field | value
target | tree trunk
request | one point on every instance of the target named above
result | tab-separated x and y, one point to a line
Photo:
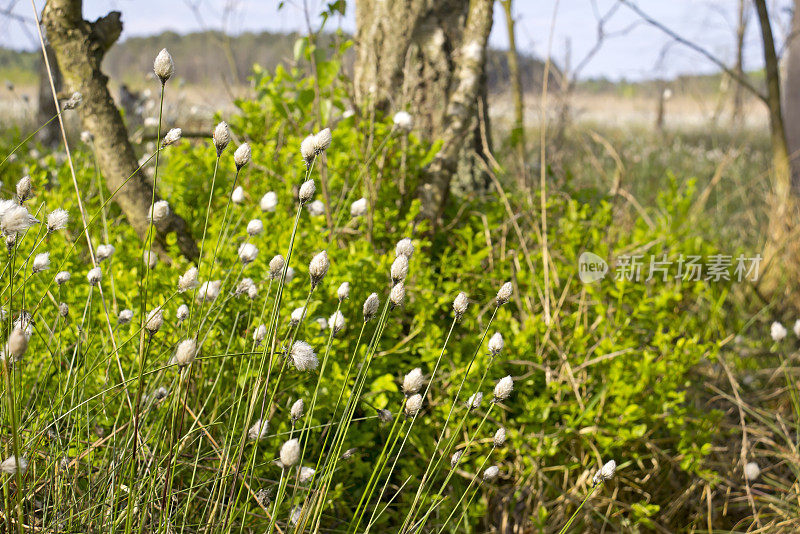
80	47
518	131
781	252
738	90
791	93
428	55
50	135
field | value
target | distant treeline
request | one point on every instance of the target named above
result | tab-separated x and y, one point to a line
213	57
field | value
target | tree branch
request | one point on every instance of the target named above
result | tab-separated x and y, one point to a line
80	47
699	49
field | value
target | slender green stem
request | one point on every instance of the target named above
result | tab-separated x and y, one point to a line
565	528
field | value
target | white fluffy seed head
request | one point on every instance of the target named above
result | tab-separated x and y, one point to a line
150	259
87	137
289	274
307	191
499	437
399	269
290	452
318	268
209	291
777	331
269	201
344	291
371	305
57	219
183	313
172	137
413	381
260	333
297	315
63	309
221	137
404	247
460	304
298	409
242	156
24	321
491	473
24	189
474	400
17	344
496	344
503	388
385	416
94	276
125	316
187	280
41	262
255	227
276	266
305	474
336	322
322	140
163	66
413	405
63	277
316	208
104	252
358	208
16	220
245	287
259	430
9	465
296	515
247	253
397	295
403	120
606	472
154	320
159	211
303	356
307	149
456	458
185	353
797	328
237	197
751	471
504	294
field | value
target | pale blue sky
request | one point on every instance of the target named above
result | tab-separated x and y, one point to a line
632	55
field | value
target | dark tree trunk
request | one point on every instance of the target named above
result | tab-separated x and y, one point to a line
80	47
791	93
429	56
50	135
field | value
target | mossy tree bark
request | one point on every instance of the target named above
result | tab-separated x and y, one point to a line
429	56
79	46
782	250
